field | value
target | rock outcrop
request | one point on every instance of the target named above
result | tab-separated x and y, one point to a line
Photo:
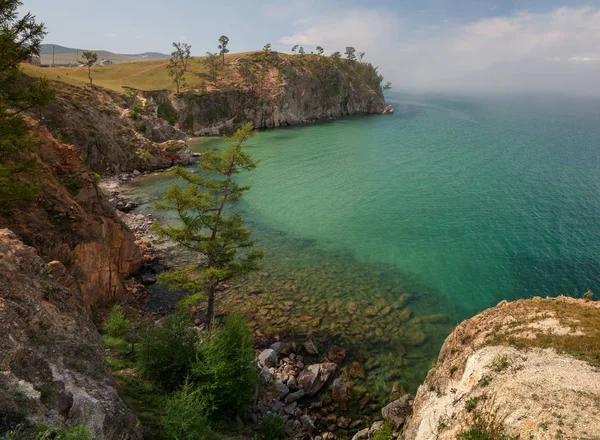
526	369
112	132
293	90
52	368
71	221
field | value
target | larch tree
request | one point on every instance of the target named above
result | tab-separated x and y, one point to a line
223	42
89	59
301	51
320	50
20	39
351	53
295	48
205	225
183	53
361	55
213	65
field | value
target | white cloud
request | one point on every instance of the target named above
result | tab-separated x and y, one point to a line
361	28
110	35
556	50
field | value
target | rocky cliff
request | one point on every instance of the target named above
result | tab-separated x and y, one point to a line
52	368
71	221
111	133
281	91
527	369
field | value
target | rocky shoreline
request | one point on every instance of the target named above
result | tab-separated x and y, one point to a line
297	381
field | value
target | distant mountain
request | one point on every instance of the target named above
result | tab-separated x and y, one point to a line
68	55
47	49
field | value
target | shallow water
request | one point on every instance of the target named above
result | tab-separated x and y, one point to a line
458	202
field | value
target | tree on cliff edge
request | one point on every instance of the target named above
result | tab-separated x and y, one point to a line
221	241
20	39
223	42
89	59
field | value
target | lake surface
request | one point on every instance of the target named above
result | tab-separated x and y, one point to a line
374	224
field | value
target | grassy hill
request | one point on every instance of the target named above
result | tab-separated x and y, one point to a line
142	75
68	55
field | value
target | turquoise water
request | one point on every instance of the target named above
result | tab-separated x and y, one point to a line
461	202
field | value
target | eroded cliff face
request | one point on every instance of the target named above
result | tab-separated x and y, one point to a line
111	133
290	91
52	367
527	369
71	221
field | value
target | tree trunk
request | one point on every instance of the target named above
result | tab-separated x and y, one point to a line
210	309
90	77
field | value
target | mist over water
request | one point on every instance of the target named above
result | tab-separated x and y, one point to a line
460	202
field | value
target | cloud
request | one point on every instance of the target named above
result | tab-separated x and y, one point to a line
361	28
110	35
556	50
183	38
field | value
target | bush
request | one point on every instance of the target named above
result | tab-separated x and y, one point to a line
167	112
168	351
225	371
383	433
185	415
117	325
272	427
79	432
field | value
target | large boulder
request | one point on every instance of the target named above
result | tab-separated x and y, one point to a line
397	411
314	377
267	358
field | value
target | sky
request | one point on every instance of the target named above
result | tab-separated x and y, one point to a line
440	45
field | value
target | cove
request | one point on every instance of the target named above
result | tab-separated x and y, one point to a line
383	232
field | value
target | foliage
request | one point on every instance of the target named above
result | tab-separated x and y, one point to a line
79	432
387	86
588	295
167	112
223	42
117	325
224	372
272	427
185	415
178	64
383	433
166	352
295	48
214	66
89	59
351	53
203	226
20	38
320	50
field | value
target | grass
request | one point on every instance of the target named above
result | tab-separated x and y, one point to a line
579	317
143	75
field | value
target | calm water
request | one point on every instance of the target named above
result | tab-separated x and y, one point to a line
459	202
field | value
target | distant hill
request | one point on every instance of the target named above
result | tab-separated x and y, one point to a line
68	55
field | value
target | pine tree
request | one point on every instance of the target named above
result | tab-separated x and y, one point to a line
222	242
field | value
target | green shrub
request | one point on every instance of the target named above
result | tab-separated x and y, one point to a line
383	433
272	427
185	415
117	325
225	371
79	432
166	354
135	111
167	112
140	128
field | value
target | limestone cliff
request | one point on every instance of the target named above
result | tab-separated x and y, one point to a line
71	221
284	91
52	368
526	369
111	133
